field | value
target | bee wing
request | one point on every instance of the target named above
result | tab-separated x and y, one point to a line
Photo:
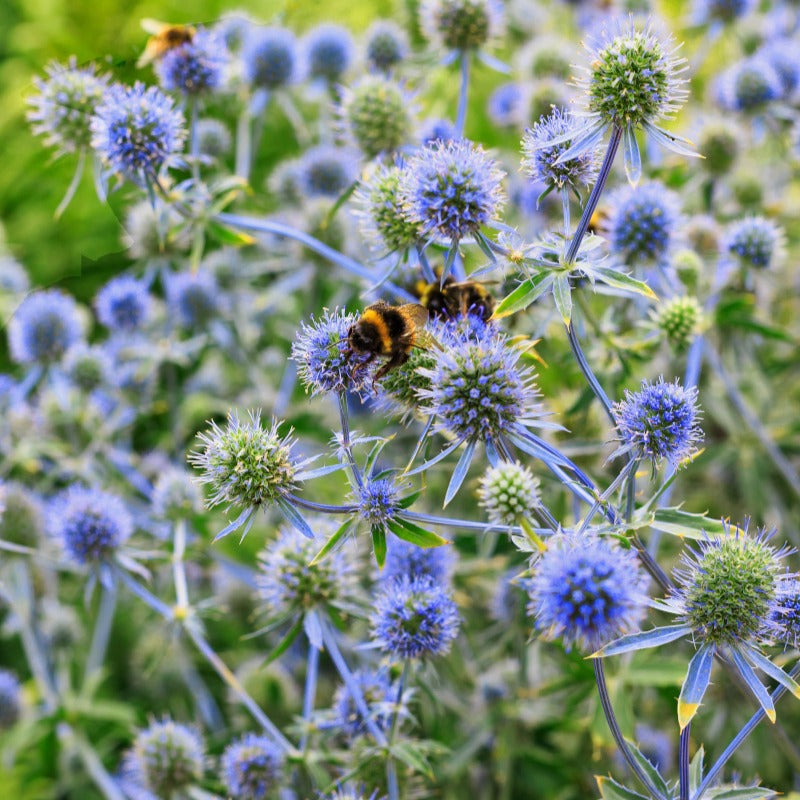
416	313
153	26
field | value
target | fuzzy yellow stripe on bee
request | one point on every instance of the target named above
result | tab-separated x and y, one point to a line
372	317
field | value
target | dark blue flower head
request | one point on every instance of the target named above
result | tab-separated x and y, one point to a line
749	85
90	524
586	591
251	767
326	171
195	67
786	613
270	58
507	105
756	241
542	162
452	189
65	102
321	352
378	693
642	222
414	617
404	558
660	421
378	501
46	324
329	51
193	298
136	130
123	304
386	45
10	699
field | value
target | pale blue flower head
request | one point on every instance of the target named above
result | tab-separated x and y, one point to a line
756	241
386	45
379	695
507	105
405	558
270	58
326	171
46	324
194	67
123	304
749	85
193	298
329	51
251	767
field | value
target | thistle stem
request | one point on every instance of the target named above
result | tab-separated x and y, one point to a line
594	197
312	673
619	739
461	115
344	416
102	630
591	378
683	762
244	143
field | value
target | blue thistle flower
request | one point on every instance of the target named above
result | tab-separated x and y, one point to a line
270	58
461	24
405	558
642	222
660	421
452	189
785	60
46	324
88	367
251	767
175	495
379	695
586	591
65	102
10	699
378	501
326	171
193	298
386	45
90	524
321	353
756	241
234	27
785	616
544	163
506	105
194	67
213	138
167	758
414	617
749	85
136	130
123	304
705	11
329	52
435	131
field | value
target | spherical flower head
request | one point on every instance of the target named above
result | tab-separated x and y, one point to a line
680	320
167	758
380	212
376	689
546	94
508	492
435	131
586	591
749	85
193	298
756	241
195	67
123	304
785	60
414	618
329	52
452	189
719	145
154	233
541	162
377	114
285	182
287	580
10	699
720	10
461	24
251	767
728	586
404	558
245	463
136	130
786	613
22	518
270	58
65	102
642	221
88	367
478	390
634	78
90	524
46	324
547	57
213	138
326	171
378	501
324	361
507	105
660	421
386	45
176	495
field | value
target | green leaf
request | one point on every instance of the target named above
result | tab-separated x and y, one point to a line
620	280
225	235
741	793
409	500
409	754
526	293
696	769
611	790
686	524
332	542
286	642
379	545
409	532
563	296
650	770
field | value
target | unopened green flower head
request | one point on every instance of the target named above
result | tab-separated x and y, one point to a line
680	319
508	492
245	463
688	266
460	24
376	112
634	78
719	145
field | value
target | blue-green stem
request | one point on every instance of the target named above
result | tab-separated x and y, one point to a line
683	762
461	114
312	673
102	630
591	378
619	739
91	760
344	416
194	139
594	197
391	767
244	142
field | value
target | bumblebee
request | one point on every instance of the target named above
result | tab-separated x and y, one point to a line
389	331
164	37
452	299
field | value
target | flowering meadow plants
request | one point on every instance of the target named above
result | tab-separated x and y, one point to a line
435	431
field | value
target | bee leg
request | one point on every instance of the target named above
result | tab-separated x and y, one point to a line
395	361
